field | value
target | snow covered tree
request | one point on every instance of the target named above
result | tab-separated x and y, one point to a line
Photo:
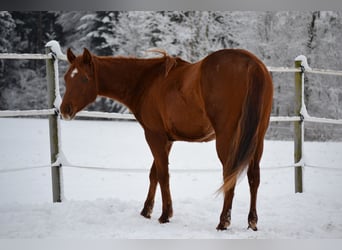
134	31
23	84
276	37
34	29
76	25
102	32
7	26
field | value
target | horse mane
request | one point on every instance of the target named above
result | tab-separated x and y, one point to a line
170	61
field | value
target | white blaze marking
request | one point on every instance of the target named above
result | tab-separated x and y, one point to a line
73	73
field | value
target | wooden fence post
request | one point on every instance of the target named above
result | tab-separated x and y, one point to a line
298	129
53	130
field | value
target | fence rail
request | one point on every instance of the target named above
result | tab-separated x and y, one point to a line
53	54
25	56
16	113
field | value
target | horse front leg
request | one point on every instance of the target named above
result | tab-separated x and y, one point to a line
166	197
160	148
149	203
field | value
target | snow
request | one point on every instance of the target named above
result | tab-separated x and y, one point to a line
105	203
56	49
304	62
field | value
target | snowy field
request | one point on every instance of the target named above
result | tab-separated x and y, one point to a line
105	204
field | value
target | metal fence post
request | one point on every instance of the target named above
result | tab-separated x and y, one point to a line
298	129
53	130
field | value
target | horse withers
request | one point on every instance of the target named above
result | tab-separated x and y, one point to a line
226	96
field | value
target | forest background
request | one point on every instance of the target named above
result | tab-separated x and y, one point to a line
276	37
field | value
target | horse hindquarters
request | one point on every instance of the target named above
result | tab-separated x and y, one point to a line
239	112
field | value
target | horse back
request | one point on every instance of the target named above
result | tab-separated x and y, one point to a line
225	77
193	99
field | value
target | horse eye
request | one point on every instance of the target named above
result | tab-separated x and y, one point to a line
84	79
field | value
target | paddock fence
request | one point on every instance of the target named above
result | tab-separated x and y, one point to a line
54	54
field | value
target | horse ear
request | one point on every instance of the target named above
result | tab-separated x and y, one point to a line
70	55
86	56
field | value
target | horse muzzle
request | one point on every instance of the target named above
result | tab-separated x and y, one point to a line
67	112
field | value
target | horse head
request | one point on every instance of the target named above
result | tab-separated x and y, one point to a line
80	84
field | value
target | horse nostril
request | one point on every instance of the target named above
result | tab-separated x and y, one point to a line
67	111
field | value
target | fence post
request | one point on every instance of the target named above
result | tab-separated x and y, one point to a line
53	130
298	129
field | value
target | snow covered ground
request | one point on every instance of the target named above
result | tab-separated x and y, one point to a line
106	204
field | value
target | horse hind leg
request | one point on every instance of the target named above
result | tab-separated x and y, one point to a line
225	216
222	146
253	175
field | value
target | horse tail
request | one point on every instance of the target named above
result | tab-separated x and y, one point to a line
253	116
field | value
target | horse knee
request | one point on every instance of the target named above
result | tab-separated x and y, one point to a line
163	177
153	177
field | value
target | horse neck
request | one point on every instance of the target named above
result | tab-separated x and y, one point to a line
122	78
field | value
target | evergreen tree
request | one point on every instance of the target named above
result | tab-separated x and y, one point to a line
24	84
75	27
133	33
7	26
103	32
7	68
35	29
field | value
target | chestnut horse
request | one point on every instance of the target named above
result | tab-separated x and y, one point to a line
227	96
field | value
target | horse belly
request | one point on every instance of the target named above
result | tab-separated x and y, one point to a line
187	121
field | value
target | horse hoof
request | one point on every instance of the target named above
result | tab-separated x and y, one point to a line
165	216
222	226
146	214
163	220
253	226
